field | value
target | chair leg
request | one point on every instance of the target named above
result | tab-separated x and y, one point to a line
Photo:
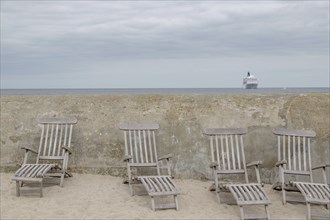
242	212
129	176
62	178
309	211
152	203
267	212
176	202
41	193
18	193
131	188
282	186
218	196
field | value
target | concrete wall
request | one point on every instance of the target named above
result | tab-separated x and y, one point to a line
98	144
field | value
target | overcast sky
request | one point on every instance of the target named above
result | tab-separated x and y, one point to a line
163	44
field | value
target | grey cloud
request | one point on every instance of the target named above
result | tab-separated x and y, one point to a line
40	38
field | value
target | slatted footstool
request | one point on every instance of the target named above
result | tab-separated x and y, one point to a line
33	173
160	186
315	193
250	194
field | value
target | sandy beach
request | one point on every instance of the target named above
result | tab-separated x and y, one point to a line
86	196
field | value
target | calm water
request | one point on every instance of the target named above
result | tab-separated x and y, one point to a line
162	91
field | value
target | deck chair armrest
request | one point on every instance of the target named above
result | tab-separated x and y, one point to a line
324	174
168	163
27	153
168	156
127	158
67	149
321	166
254	163
280	163
27	149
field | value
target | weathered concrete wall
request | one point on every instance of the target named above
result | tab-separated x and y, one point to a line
98	144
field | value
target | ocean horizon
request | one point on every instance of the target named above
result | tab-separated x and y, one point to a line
114	91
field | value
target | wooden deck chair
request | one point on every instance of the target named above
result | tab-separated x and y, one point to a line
141	152
52	155
294	159
227	156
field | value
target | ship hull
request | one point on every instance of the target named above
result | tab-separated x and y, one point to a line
251	86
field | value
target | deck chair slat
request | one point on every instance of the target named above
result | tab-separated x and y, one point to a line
155	150
65	138
258	196
316	189
25	170
289	152
250	194
159	184
55	141
309	157
136	147
147	184
166	187
237	194
140	146
304	153
31	171
223	155
284	151
50	139
145	146
125	142
41	141
227	152
244	193
294	152
59	141
150	147
131	146
321	192
216	150
299	154
154	185
232	151
46	139
212	150
170	183
37	170
243	159
237	152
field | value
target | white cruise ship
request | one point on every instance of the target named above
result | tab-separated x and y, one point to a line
250	82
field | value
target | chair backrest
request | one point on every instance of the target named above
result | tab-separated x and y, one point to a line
55	133
227	149
294	146
140	143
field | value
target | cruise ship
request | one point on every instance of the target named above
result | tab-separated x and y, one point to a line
250	82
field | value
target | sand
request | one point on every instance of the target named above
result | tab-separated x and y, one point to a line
86	196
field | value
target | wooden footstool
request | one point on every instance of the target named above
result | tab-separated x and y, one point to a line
33	173
315	193
250	194
160	186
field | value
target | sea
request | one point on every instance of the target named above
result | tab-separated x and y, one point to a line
116	91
